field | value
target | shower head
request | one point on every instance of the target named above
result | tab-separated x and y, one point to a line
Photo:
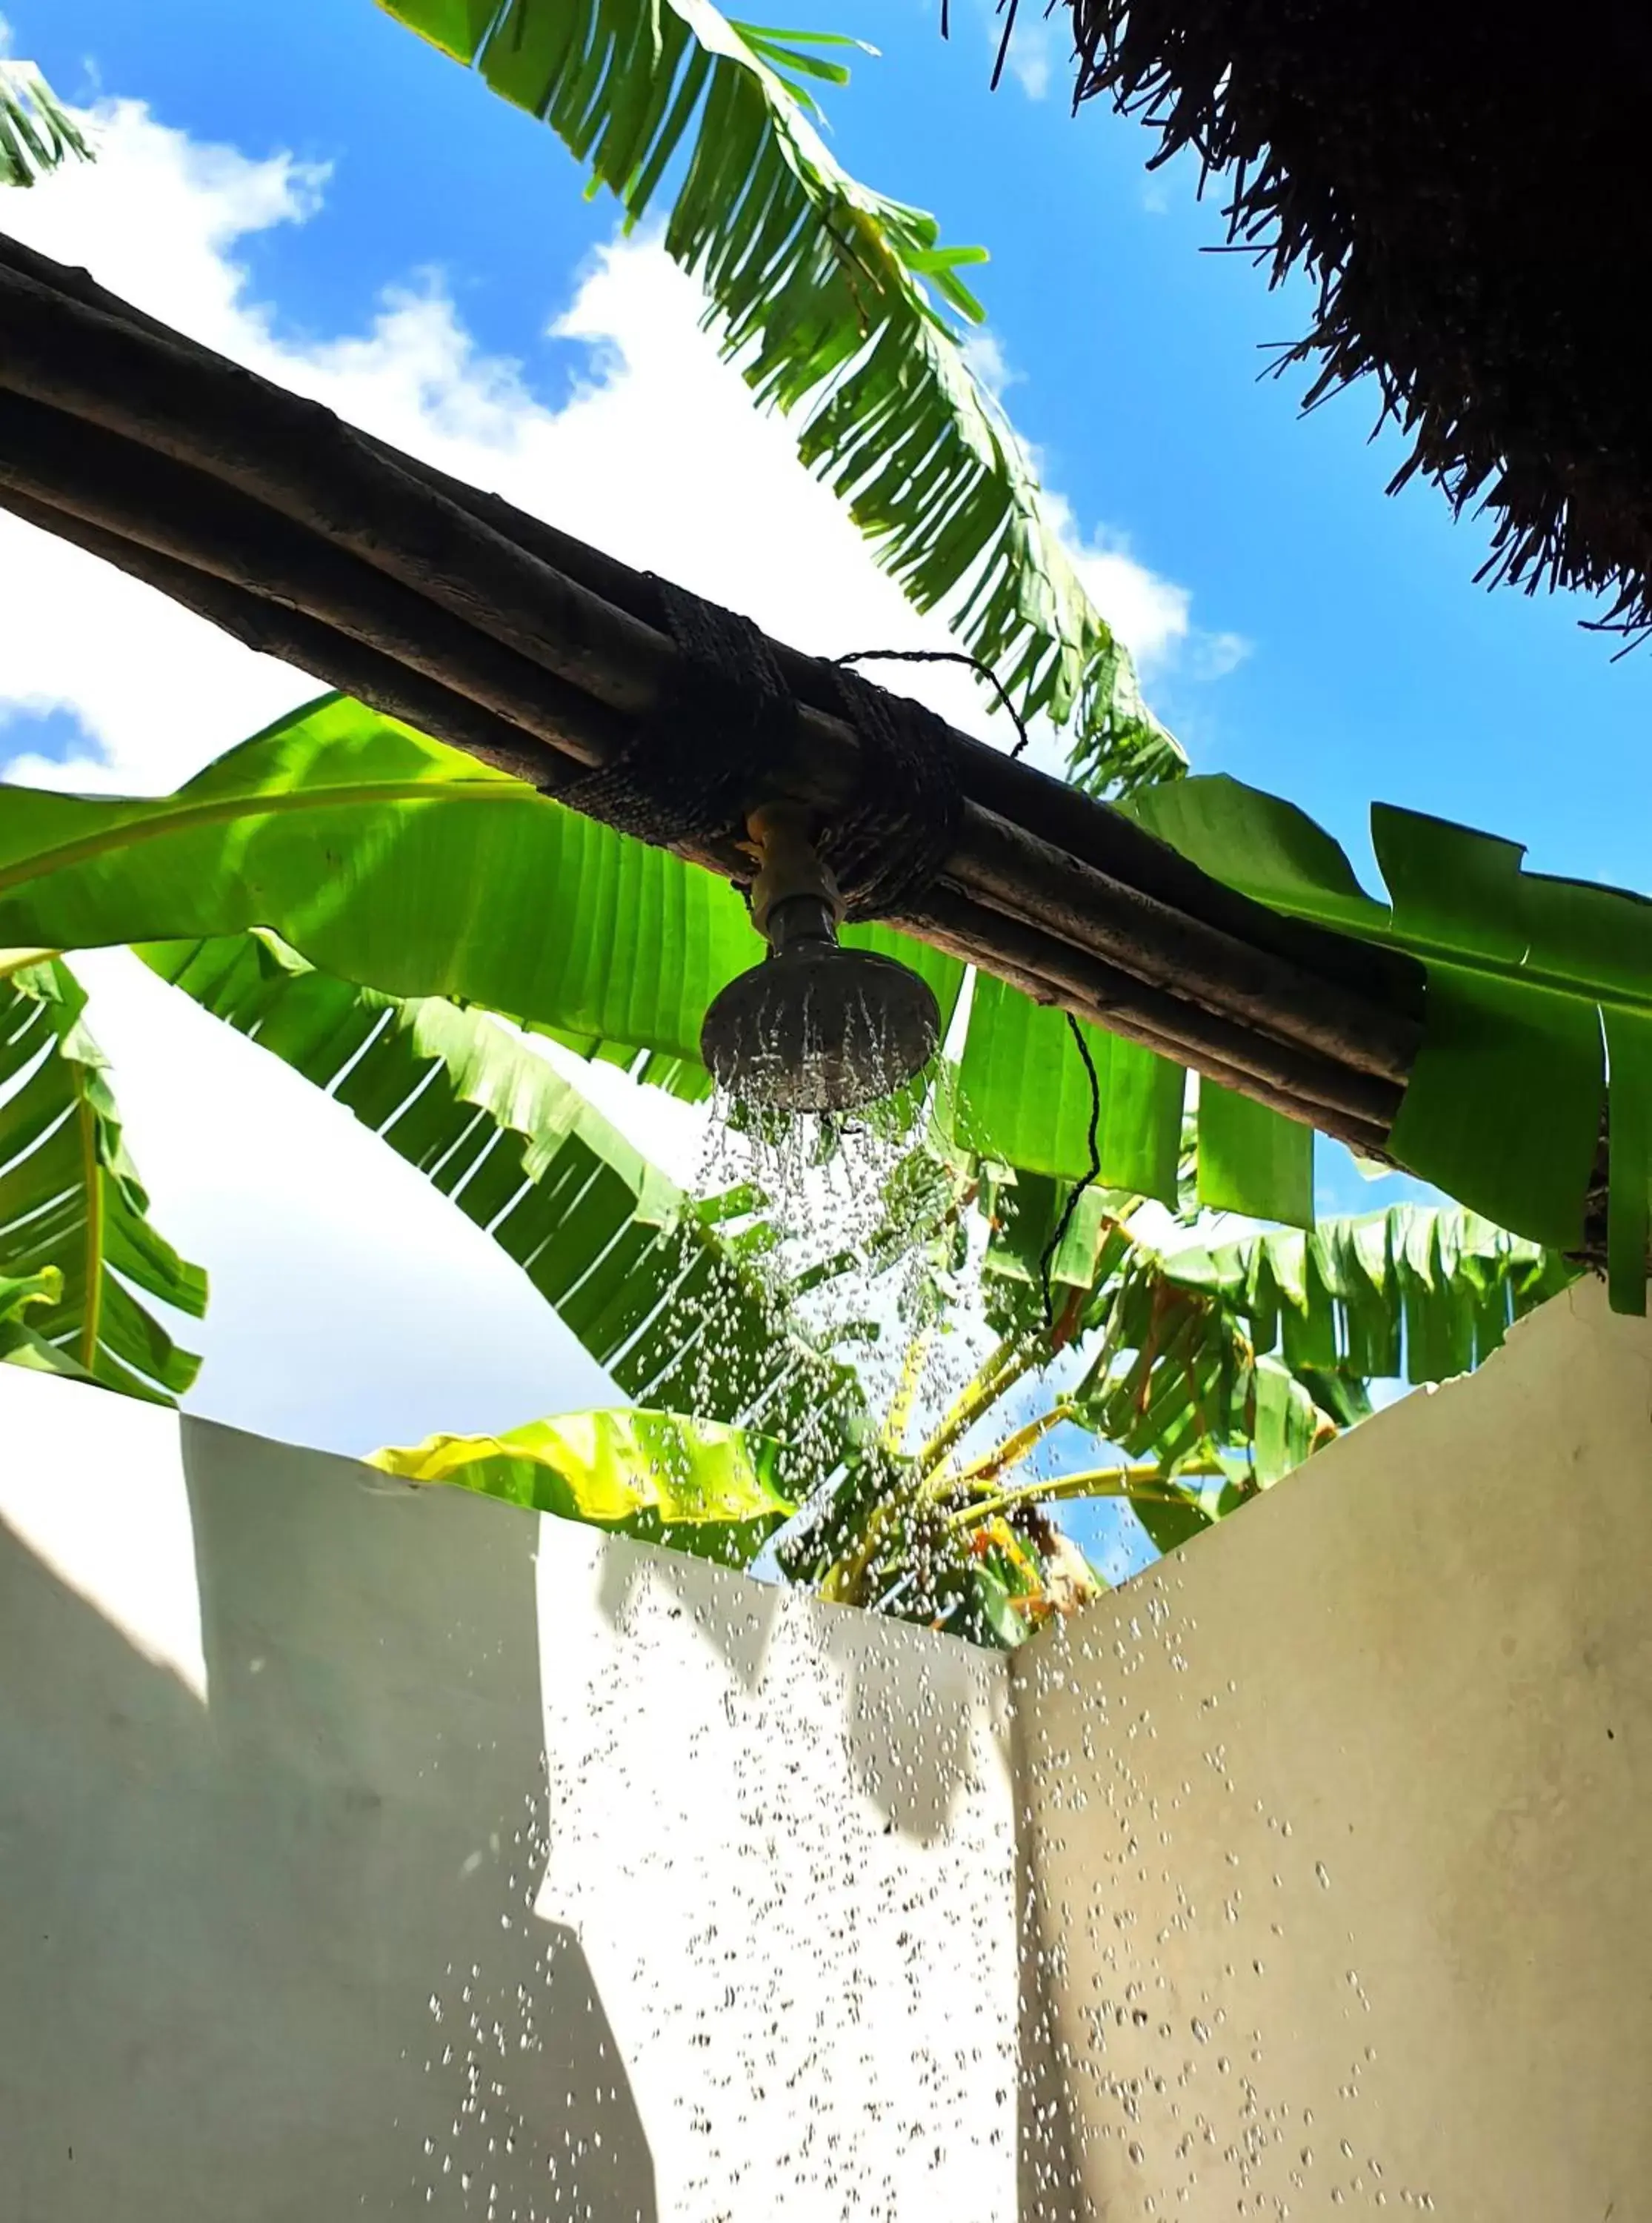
815	1027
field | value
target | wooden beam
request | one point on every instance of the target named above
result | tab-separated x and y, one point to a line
496	632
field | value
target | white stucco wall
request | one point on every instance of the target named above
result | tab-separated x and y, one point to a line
1342	1823
368	1850
373	1850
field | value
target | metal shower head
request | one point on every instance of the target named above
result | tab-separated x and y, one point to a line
815	1027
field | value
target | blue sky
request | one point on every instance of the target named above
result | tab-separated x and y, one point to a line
1377	668
1332	645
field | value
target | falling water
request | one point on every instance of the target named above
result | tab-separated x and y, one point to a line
1143	2080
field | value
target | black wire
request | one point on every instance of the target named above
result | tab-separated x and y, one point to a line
944	656
1079	1188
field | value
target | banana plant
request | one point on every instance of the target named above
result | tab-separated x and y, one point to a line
687	1304
661	1291
37	133
391	860
1200	1373
1203	1374
630	944
679	1299
367	846
843	308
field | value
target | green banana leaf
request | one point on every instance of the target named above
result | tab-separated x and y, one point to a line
1172	1376
1042	1127
73	1215
1255	1350
1292	1413
1533	983
692	1484
1284	1425
391	860
825	294
1418	1289
1251	1159
1176	1382
1189	1511
663	1293
37	133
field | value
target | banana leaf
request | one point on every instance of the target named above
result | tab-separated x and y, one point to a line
393	862
839	306
22	1345
19	1291
663	1293
692	1484
37	133
74	1218
1535	985
399	863
1044	1128
1417	1290
1259	1348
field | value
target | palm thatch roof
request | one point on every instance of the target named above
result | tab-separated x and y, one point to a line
1466	189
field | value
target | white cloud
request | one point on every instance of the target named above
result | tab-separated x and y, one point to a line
1150	612
1034	51
1030	62
655	455
985	353
1153	614
1215	654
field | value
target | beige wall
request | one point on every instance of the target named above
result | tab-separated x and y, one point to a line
1343	1821
710	1888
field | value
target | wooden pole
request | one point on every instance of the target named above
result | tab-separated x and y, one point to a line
1087	829
496	632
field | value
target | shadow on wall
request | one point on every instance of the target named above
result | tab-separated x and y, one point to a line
907	1706
346	1840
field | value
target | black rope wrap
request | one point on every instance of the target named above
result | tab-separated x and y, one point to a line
886	847
690	771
